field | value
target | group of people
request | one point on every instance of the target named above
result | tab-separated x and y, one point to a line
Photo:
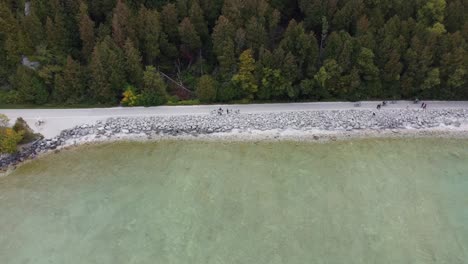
221	111
384	103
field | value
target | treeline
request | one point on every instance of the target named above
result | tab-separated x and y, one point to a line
150	51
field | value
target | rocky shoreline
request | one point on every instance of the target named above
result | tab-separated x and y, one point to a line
315	123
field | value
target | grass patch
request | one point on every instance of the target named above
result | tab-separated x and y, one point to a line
52	106
184	102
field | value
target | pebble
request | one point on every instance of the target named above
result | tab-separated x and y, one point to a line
328	120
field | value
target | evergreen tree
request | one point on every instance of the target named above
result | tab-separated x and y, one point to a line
256	34
302	46
154	88
30	87
223	45
197	18
133	64
107	72
340	48
190	39
183	7
212	10
457	15
69	86
56	35
169	21
433	11
206	89
227	58
86	28
369	72
33	30
327	77
148	29
121	24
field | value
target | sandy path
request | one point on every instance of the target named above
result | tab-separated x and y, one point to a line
57	120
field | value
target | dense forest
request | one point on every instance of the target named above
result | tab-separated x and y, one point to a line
150	52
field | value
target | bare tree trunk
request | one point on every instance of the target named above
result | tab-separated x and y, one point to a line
175	82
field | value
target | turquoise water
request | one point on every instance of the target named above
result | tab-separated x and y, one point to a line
367	201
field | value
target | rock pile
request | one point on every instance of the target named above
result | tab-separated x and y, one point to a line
327	120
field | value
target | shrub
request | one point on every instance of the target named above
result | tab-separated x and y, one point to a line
21	127
4	121
185	102
129	97
151	99
9	140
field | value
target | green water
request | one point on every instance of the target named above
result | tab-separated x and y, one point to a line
370	201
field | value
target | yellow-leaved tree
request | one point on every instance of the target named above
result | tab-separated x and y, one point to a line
9	138
245	77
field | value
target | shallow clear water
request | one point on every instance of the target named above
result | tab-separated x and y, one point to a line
367	201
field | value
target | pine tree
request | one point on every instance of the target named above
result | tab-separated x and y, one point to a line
33	30
121	24
327	77
256	34
418	59
227	59
10	48
148	29
154	88
432	79
224	47
197	18
29	86
169	21
86	28
302	46
454	68
239	12
212	10
315	10
133	64
365	63
206	89
274	19
433	11
340	48
456	19
369	72
56	34
107	72
190	39
69	86
183	7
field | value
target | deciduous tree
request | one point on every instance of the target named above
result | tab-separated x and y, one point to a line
245	77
